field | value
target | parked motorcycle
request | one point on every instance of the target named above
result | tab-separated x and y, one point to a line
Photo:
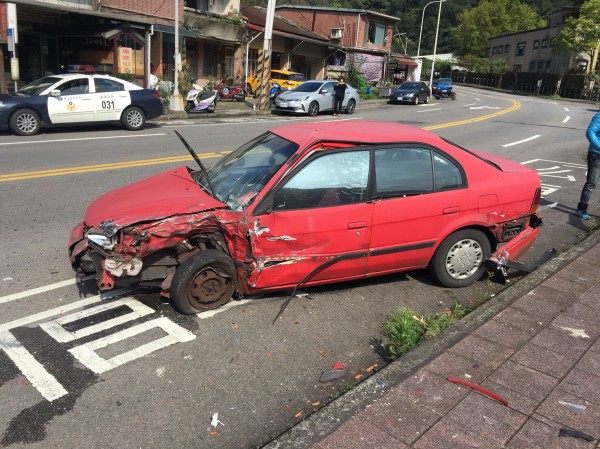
198	99
274	92
233	92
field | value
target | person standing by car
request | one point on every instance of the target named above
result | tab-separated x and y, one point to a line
593	166
340	93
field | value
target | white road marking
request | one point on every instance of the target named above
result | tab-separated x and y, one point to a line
137	136
87	355
567	118
62	309
33	370
565	164
471	104
429	110
44	289
56	330
485	107
211	313
522	141
567	109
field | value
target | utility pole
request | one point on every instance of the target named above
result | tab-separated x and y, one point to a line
176	102
264	69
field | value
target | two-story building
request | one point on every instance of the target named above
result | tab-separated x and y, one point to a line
357	36
534	51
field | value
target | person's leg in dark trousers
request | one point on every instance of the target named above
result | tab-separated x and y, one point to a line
337	105
593	173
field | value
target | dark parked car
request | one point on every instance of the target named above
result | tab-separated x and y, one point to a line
410	92
70	99
309	204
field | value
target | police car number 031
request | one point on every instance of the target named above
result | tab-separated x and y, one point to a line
108	104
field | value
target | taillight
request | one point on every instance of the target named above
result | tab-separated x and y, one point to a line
157	94
536	201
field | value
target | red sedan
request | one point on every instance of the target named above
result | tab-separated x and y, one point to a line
308	204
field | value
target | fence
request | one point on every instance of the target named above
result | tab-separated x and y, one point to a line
570	86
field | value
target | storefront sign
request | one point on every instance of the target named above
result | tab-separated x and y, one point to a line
3	21
125	63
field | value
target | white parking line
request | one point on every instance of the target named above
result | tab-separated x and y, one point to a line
62	309
566	119
44	289
522	141
429	110
137	136
33	370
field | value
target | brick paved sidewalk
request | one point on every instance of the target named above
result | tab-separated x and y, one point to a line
535	350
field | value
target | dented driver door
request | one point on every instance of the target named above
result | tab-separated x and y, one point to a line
319	222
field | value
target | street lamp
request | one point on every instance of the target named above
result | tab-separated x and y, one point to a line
422	17
405	44
437	29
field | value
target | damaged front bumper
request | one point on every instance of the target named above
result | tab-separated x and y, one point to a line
505	257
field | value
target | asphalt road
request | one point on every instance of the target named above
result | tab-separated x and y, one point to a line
157	378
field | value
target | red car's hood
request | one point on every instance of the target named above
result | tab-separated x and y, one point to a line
166	194
506	165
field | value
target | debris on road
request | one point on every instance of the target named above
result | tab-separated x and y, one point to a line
575	434
215	421
480	389
573	407
337	371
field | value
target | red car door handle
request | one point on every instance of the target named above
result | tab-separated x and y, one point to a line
451	210
357	225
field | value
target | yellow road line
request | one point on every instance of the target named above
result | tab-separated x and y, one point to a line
102	167
168	160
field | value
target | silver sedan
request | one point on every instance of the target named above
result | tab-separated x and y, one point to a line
314	96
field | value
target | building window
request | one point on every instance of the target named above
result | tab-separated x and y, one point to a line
494	50
544	43
500	49
532	66
552	41
520	49
506	48
376	33
210	60
199	5
548	64
536	43
540	66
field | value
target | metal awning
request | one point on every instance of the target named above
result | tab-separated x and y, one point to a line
405	61
171	30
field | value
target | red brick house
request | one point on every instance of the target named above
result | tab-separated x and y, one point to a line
356	36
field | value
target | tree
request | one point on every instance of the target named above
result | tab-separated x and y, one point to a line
491	18
582	35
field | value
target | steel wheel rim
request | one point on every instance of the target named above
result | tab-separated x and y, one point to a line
312	109
464	259
134	118
350	108
209	289
26	123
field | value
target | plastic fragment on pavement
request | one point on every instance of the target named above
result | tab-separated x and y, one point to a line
575	434
298	415
316	404
573	407
480	389
215	420
337	371
371	368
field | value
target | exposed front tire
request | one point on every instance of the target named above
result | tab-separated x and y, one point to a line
204	281
460	259
211	107
453	96
25	122
350	107
241	96
416	101
133	119
313	109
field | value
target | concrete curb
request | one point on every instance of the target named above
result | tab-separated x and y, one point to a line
327	419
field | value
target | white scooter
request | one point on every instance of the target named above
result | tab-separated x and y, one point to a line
199	100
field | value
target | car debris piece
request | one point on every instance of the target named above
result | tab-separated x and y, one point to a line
480	389
573	407
337	371
215	421
575	434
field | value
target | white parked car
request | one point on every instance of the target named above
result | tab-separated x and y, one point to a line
314	96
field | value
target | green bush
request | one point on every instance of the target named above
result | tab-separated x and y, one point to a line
405	329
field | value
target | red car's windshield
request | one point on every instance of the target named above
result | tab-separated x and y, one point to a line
241	175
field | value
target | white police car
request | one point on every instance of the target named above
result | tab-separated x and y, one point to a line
69	99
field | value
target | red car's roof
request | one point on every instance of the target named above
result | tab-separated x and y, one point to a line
356	131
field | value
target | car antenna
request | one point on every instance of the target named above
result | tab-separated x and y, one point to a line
197	159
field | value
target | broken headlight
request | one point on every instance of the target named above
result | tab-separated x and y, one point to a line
100	239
